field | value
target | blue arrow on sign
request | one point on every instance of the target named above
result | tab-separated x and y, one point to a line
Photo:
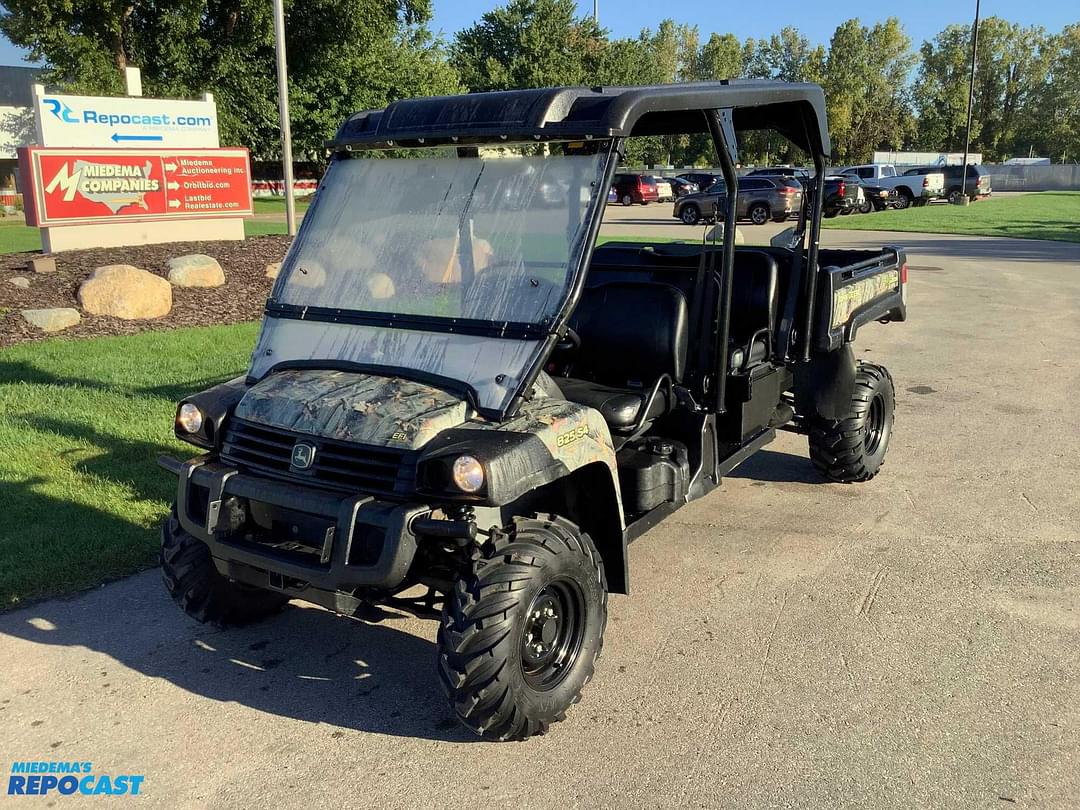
117	137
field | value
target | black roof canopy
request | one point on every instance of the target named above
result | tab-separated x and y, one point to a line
795	110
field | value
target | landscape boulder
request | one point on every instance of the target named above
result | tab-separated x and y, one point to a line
195	270
52	320
22	282
42	264
123	291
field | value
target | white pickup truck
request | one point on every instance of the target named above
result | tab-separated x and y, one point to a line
910	189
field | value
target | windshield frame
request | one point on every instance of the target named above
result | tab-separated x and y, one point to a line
546	334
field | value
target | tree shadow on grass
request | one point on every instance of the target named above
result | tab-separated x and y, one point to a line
304	663
14	372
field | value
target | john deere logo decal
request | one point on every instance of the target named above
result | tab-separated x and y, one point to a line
303	455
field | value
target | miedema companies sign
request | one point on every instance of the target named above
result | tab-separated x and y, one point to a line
99	186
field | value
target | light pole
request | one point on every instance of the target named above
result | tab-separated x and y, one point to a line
283	110
596	11
971	103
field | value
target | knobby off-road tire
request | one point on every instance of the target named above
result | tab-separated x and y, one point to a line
499	682
853	448
201	592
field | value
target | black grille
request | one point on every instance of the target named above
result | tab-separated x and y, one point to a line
338	465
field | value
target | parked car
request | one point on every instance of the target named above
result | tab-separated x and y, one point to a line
874	197
760	199
635	188
978	180
664	192
915	187
683	187
841	196
702	179
797	172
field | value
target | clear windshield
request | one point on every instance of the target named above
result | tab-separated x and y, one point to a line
485	239
488	239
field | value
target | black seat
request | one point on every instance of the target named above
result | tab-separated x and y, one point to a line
633	342
754	302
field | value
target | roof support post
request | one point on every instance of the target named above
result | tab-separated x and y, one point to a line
812	253
722	129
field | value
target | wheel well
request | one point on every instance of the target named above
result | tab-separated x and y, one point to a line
587	498
907	192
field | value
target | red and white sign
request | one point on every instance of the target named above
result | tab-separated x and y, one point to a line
97	186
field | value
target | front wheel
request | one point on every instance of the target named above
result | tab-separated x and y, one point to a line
690	214
520	635
853	448
197	587
627	199
758	213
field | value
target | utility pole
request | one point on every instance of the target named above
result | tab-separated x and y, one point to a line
971	103
283	110
596	11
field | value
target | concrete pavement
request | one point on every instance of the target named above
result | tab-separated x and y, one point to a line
909	642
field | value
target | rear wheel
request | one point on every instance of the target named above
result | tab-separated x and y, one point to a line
956	196
690	214
903	199
520	635
853	448
627	199
866	206
758	213
200	591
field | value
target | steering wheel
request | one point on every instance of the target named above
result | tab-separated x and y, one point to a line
570	341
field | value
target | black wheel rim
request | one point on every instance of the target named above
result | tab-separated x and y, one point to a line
875	426
553	632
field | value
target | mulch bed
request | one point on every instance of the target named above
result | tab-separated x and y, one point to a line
241	299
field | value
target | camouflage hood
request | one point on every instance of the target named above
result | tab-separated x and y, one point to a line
364	408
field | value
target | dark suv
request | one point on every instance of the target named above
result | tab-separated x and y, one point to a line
635	188
702	179
978	180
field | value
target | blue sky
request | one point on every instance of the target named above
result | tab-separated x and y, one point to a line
922	18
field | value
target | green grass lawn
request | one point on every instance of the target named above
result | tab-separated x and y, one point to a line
81	425
1044	215
16	236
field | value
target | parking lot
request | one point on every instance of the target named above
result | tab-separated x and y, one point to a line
909	642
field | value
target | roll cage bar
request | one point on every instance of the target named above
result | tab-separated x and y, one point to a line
611	114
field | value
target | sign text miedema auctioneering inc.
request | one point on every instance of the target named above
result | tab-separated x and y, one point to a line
65	187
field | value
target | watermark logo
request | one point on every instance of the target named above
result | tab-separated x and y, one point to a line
45	777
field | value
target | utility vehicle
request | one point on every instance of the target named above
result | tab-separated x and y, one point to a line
460	406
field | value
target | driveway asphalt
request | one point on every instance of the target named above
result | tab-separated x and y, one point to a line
909	642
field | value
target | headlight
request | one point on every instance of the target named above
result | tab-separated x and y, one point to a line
468	474
189	418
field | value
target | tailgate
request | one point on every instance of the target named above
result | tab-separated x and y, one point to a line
853	295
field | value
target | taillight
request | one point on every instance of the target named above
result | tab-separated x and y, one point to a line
840	189
640	184
787	191
903	273
926	182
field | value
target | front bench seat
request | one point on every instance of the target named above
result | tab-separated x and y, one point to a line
632	335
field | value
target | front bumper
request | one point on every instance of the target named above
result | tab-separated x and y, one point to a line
279	535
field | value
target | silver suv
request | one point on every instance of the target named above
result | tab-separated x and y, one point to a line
760	199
